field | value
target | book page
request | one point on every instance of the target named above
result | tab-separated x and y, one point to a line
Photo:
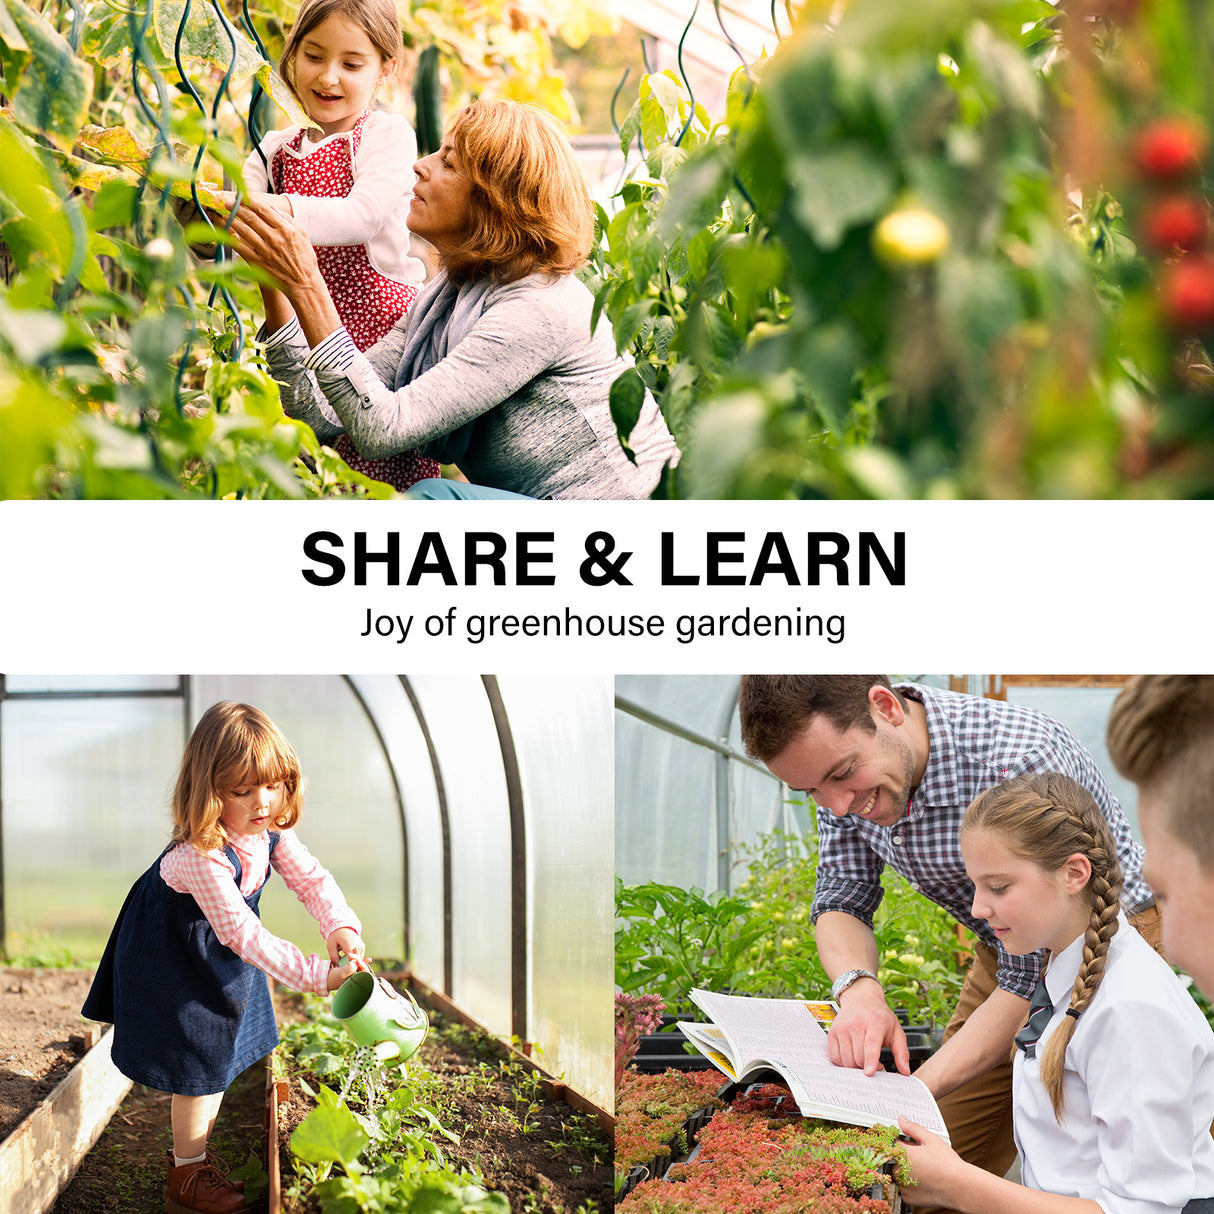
710	1041
784	1034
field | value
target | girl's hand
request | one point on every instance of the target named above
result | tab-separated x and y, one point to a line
346	940
279	202
339	973
937	1169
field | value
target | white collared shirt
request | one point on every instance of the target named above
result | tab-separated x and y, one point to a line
1139	1086
375	211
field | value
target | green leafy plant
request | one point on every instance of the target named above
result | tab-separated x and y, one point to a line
760	939
669	940
381	1137
127	367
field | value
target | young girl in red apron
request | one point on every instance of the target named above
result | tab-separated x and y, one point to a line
350	189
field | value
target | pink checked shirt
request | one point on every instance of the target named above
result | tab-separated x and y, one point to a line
208	876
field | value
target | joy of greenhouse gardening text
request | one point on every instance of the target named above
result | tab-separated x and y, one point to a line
477	627
530	558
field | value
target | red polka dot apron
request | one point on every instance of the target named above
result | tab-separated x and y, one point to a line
368	303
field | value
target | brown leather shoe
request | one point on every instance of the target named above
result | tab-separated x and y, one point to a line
201	1188
216	1161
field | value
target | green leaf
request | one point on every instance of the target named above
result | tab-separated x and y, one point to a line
630	128
828	358
631	322
52	93
626	398
25	186
724	435
330	1133
835	189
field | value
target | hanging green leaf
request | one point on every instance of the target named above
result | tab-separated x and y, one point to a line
52	87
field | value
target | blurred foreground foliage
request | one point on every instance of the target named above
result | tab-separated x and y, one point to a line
907	261
952	249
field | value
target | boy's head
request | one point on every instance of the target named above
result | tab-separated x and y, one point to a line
1161	736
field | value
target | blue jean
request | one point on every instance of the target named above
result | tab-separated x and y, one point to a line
434	489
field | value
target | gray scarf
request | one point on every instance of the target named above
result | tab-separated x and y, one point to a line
441	317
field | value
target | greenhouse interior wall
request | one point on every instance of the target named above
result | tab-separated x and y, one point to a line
689	800
467	820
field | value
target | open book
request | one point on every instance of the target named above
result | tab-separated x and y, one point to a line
748	1036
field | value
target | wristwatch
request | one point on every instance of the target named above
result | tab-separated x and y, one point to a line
844	980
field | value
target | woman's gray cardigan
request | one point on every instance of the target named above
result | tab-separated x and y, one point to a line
529	375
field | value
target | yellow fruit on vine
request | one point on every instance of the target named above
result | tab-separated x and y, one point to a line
910	237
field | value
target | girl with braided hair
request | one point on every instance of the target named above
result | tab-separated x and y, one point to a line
1113	1080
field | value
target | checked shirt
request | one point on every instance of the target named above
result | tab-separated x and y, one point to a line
973	744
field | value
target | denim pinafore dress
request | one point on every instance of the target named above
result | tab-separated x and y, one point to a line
188	1014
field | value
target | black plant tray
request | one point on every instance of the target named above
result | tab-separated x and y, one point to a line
660	1052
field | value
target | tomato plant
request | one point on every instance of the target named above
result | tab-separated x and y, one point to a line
900	263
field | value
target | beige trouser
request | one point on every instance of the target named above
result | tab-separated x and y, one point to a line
979	1113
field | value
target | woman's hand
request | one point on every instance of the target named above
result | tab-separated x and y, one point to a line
937	1169
273	242
267	238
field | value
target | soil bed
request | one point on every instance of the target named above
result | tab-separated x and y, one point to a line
525	1149
40	1011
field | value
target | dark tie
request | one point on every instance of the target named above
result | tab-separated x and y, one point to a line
1040	1011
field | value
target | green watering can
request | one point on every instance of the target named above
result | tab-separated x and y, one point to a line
374	1013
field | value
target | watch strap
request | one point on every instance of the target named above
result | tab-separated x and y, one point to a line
844	980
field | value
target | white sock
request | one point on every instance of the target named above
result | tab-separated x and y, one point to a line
178	1162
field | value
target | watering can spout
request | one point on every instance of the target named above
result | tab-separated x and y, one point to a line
374	1013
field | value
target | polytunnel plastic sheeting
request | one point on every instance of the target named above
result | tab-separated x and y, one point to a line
706	704
351	822
460	722
1085	712
89	683
665	820
85	791
562	735
388	702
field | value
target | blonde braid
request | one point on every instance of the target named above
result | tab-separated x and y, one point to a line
1105	886
1046	818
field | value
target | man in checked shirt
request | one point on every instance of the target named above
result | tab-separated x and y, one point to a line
891	770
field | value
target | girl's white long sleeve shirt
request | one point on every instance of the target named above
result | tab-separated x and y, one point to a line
1139	1085
375	211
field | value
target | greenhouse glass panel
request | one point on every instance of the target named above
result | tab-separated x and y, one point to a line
457	712
388	703
562	735
351	820
85	792
1085	712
